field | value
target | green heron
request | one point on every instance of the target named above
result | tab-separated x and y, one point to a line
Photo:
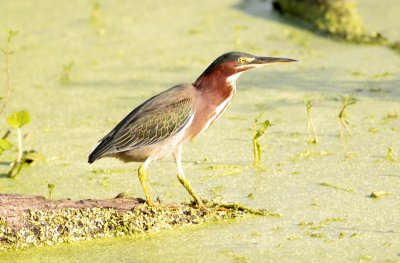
159	126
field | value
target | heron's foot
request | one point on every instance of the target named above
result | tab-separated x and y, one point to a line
189	188
200	204
149	202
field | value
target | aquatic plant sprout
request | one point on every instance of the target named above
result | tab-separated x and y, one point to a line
347	101
17	120
312	137
66	74
258	128
51	189
7	52
390	155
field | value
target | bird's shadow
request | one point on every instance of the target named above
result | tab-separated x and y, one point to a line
5	175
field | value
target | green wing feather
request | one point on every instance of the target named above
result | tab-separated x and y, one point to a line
154	125
158	118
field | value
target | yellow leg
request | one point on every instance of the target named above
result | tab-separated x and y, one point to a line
182	179
143	181
189	188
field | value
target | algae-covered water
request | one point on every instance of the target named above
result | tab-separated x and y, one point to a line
130	50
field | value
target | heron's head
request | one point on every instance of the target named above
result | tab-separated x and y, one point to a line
236	62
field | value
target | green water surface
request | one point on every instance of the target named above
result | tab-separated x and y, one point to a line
135	49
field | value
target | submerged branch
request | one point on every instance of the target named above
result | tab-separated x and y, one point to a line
338	18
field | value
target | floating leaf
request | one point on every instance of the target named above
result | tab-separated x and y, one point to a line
18	119
5	145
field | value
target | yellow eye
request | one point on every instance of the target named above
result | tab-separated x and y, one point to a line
242	61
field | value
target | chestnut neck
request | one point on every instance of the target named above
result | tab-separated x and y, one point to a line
215	81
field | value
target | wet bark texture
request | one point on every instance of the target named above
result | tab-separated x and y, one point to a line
12	206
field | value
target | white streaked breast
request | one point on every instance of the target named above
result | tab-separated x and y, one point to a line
219	110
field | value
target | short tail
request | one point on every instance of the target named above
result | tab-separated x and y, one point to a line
100	149
92	157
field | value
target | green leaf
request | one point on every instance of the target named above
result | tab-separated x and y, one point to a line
5	145
18	119
308	104
261	128
11	34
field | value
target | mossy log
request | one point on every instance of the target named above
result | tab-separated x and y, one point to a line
338	18
34	220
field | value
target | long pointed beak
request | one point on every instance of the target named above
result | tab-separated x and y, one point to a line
270	60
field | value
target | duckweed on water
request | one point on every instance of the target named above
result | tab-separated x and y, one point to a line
324	184
379	194
110	171
323	223
390	155
229	170
234	256
104	182
391	116
317	235
222	167
251	196
310	154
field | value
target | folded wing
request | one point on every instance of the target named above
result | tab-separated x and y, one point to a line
155	120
